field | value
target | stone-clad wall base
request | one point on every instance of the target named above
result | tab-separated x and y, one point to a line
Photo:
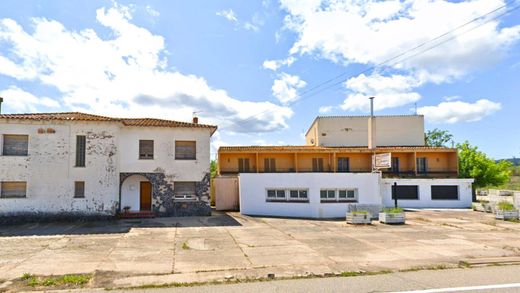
186	209
21	218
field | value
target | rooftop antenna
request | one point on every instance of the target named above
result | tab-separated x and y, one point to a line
1	101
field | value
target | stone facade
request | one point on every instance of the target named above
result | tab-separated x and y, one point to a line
163	203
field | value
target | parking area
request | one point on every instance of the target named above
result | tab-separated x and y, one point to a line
232	242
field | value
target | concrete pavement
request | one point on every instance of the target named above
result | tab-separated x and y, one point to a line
178	250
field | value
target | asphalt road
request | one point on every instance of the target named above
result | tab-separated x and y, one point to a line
483	279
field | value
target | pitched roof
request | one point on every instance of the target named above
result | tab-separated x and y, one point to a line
77	116
309	148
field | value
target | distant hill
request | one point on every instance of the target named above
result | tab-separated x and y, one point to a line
515	161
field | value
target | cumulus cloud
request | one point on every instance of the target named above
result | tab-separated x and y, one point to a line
458	111
325	109
286	87
390	91
275	64
22	101
228	14
123	75
369	32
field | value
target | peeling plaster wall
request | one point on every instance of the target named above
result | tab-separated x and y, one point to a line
50	172
111	151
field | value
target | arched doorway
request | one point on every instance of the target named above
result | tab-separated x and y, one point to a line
136	193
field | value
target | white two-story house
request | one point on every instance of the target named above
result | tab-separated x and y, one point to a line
87	165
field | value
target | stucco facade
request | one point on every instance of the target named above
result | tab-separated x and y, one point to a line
112	165
348	131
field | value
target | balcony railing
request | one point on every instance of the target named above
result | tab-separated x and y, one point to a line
430	172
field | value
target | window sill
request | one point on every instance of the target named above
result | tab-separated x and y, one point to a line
12	197
182	159
338	201
78	198
145	159
14	156
288	201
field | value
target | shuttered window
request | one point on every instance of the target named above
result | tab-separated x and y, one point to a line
15	145
146	149
13	189
185	150
269	165
81	147
243	165
184	191
405	192
343	165
79	189
317	164
445	192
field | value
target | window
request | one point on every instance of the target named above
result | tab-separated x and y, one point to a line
317	164
269	165
13	189
287	195
445	192
185	150
395	165
405	191
243	165
79	189
146	149
422	165
184	191
81	144
298	194
15	145
343	165
346	195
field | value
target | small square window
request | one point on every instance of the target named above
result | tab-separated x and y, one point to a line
79	189
280	194
331	194
342	194
323	194
294	193
271	193
351	193
303	194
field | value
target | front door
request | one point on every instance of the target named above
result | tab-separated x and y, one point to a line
145	195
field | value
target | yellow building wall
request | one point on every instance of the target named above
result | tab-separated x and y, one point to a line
229	162
436	161
357	161
284	161
305	161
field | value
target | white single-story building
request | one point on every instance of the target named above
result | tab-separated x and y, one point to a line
331	195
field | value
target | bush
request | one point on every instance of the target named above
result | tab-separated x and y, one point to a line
393	210
505	206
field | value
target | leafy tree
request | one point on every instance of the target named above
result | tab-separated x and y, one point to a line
438	138
213	168
475	164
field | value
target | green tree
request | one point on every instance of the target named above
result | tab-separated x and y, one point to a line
438	138
213	168
475	164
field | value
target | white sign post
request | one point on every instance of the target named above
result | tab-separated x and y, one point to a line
381	161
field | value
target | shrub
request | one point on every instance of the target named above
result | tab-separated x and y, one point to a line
393	210
505	206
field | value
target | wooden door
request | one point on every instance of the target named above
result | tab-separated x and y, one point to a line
145	194
226	193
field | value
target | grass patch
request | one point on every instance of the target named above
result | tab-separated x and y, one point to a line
393	210
66	280
505	206
185	246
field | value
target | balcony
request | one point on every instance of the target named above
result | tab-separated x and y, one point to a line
429	173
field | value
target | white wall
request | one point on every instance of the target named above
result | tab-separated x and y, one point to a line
353	131
130	192
425	201
50	172
164	152
253	193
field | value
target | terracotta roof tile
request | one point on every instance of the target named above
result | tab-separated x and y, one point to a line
307	148
77	116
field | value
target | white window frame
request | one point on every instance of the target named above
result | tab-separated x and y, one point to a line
336	195
287	193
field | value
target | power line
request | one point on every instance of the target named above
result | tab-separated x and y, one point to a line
309	93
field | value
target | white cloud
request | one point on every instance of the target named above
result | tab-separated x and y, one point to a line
458	111
124	75
152	11
228	14
325	109
21	101
275	64
285	88
369	32
389	91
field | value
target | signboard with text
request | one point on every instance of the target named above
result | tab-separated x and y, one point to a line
382	161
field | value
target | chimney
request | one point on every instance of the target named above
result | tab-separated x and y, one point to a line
1	101
195	120
371	126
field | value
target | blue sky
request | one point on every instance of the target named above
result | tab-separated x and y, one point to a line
250	66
